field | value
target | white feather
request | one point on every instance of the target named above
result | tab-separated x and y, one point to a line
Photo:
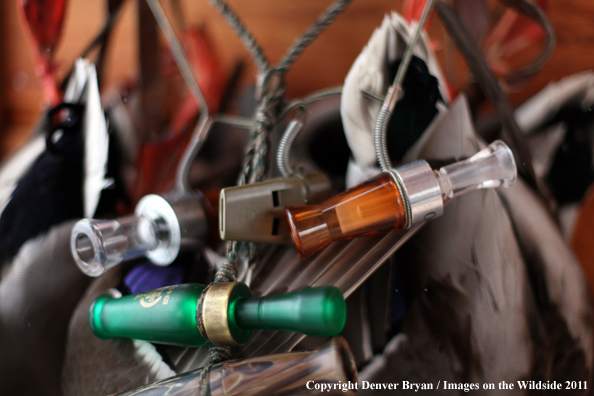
544	105
146	354
96	141
369	73
17	166
357	174
76	83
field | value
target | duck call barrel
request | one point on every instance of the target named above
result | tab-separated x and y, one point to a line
317	311
285	374
373	206
397	199
227	314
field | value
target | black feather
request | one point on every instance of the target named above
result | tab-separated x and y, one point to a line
447	311
51	192
415	110
574	155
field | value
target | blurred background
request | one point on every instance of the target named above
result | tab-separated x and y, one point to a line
275	25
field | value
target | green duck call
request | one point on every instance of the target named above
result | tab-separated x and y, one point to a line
193	315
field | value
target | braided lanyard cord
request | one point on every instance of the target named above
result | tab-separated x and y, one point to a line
271	90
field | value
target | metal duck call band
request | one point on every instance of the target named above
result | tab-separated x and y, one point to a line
419	190
227	313
272	375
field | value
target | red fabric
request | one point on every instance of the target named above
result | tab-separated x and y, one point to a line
43	20
512	34
158	162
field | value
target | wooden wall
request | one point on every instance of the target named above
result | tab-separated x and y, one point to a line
274	23
2	64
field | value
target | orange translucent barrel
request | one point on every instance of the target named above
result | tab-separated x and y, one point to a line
371	207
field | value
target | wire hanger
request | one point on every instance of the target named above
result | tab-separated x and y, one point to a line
395	93
205	120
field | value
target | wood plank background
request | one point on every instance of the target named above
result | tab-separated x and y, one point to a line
275	24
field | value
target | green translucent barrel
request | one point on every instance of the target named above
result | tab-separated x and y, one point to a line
317	311
168	315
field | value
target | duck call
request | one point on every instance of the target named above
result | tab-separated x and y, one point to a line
227	315
286	374
397	199
161	228
254	212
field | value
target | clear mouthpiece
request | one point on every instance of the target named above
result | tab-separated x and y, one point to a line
491	167
98	245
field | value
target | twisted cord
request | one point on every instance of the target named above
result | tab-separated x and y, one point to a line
205	379
248	40
217	353
271	103
220	353
199	314
227	273
312	33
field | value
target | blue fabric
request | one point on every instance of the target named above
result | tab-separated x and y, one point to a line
147	276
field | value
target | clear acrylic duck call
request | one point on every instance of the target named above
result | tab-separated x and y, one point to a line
397	199
161	228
